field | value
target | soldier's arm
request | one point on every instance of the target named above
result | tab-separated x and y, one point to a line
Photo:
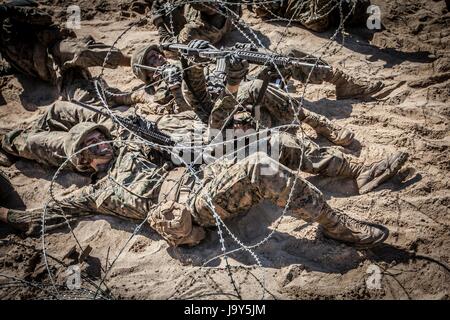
164	34
223	111
195	81
78	204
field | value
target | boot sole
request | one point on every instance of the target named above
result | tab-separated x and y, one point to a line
393	169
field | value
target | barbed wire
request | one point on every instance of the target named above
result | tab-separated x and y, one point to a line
101	94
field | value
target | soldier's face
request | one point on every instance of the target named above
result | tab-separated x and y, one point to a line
98	154
154	59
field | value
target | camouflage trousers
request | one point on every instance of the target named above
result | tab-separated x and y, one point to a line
43	141
316	15
86	52
53	64
233	188
227	188
202	31
276	107
187	128
326	161
346	85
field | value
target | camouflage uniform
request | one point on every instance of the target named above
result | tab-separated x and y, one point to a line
346	85
175	204
192	94
47	139
276	108
316	15
145	185
193	21
35	46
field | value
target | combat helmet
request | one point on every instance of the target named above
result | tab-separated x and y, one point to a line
139	56
74	143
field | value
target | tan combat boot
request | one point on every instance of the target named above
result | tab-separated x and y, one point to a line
371	176
339	226
348	87
333	132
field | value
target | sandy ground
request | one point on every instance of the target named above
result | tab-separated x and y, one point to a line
297	261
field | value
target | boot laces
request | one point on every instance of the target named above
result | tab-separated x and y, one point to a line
353	223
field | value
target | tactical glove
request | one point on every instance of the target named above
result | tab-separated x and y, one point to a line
237	69
172	75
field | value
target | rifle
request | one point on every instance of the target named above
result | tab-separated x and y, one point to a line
145	129
254	57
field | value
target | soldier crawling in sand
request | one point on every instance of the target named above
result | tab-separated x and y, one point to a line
178	203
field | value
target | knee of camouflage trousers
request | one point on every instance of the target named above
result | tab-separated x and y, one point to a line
329	162
235	188
303	73
200	31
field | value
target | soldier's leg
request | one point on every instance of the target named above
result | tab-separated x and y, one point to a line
346	85
86	52
303	73
282	109
44	147
332	162
329	162
63	115
313	15
238	187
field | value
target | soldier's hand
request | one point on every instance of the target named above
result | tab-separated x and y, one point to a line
172	75
237	69
199	45
216	84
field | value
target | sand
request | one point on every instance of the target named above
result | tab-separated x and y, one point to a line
297	262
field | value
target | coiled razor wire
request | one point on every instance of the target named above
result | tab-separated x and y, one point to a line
100	91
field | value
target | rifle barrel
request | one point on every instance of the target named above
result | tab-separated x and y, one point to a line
145	67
